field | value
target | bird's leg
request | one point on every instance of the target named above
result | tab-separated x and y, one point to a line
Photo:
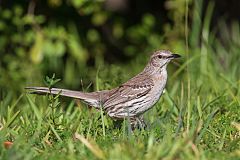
137	122
142	123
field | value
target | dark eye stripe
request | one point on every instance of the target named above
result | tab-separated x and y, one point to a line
160	56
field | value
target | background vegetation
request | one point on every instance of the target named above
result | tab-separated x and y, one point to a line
94	45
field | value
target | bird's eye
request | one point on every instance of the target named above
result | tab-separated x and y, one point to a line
159	56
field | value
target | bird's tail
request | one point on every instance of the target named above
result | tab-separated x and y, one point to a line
91	98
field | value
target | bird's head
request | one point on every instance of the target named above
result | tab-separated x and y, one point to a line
161	58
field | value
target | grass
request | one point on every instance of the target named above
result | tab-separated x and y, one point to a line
204	125
198	116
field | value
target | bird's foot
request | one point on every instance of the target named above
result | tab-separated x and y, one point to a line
138	123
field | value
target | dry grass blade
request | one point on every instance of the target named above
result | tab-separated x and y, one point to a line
236	125
94	148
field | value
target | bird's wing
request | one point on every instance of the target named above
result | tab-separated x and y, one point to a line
132	89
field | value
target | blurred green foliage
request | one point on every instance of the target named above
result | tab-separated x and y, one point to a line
74	38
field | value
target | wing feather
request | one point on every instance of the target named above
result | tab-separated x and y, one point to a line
134	88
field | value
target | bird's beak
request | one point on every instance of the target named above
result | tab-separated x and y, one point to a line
173	56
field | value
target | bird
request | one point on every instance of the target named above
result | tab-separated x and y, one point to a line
129	100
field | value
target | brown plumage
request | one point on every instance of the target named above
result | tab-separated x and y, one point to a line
132	98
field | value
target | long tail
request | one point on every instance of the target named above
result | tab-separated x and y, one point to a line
91	99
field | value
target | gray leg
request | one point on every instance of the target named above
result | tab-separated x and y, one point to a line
137	122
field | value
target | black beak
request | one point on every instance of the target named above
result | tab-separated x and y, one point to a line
175	56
